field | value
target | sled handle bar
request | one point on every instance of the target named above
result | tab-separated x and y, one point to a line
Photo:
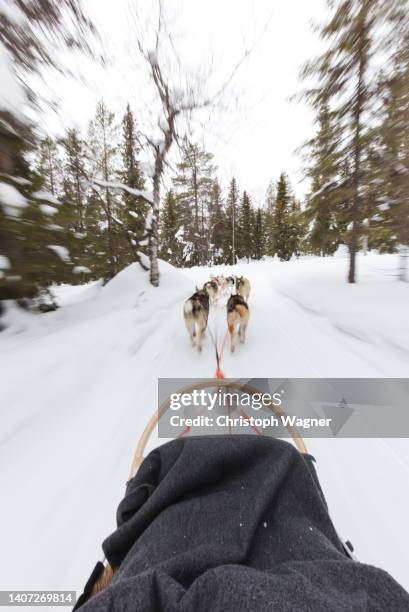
143	440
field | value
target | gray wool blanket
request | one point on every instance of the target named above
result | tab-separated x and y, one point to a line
233	523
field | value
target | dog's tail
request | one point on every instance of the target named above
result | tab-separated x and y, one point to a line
231	320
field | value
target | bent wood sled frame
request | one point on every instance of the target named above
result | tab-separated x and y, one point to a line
143	440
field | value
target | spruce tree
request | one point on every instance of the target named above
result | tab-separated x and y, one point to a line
324	172
282	230
217	225
194	182
245	229
75	174
258	235
232	213
268	213
171	231
390	219
48	166
34	248
353	32
134	210
103	150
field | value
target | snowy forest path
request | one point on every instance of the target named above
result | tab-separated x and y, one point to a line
79	385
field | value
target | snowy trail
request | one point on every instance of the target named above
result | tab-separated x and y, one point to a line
79	385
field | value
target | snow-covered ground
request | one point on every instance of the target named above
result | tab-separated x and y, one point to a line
78	385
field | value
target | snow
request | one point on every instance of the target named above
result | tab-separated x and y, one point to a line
47	209
11	199
12	96
140	193
4	262
325	186
81	270
61	251
46	196
80	384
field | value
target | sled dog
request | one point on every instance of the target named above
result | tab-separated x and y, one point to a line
237	319
212	289
243	287
196	313
226	285
231	284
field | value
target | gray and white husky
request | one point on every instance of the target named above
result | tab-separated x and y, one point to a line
196	314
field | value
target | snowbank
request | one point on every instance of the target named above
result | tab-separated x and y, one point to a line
374	310
78	386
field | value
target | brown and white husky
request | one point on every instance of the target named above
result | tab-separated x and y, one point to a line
196	313
237	319
243	287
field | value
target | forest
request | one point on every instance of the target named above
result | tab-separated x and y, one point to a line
83	206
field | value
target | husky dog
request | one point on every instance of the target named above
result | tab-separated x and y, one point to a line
243	287
196	313
237	319
220	280
231	284
212	289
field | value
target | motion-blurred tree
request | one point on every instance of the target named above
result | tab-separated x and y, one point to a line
325	173
354	33
34	248
103	152
134	209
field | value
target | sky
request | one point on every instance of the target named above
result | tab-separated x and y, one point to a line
255	131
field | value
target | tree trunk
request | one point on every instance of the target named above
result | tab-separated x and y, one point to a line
403	263
154	235
353	245
233	238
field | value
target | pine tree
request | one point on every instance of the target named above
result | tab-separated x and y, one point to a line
390	220
103	149
134	210
258	235
75	173
268	213
232	213
194	184
282	229
34	247
245	229
171	232
48	166
343	71
217	225
324	172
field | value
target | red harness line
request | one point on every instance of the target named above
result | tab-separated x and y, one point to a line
219	373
